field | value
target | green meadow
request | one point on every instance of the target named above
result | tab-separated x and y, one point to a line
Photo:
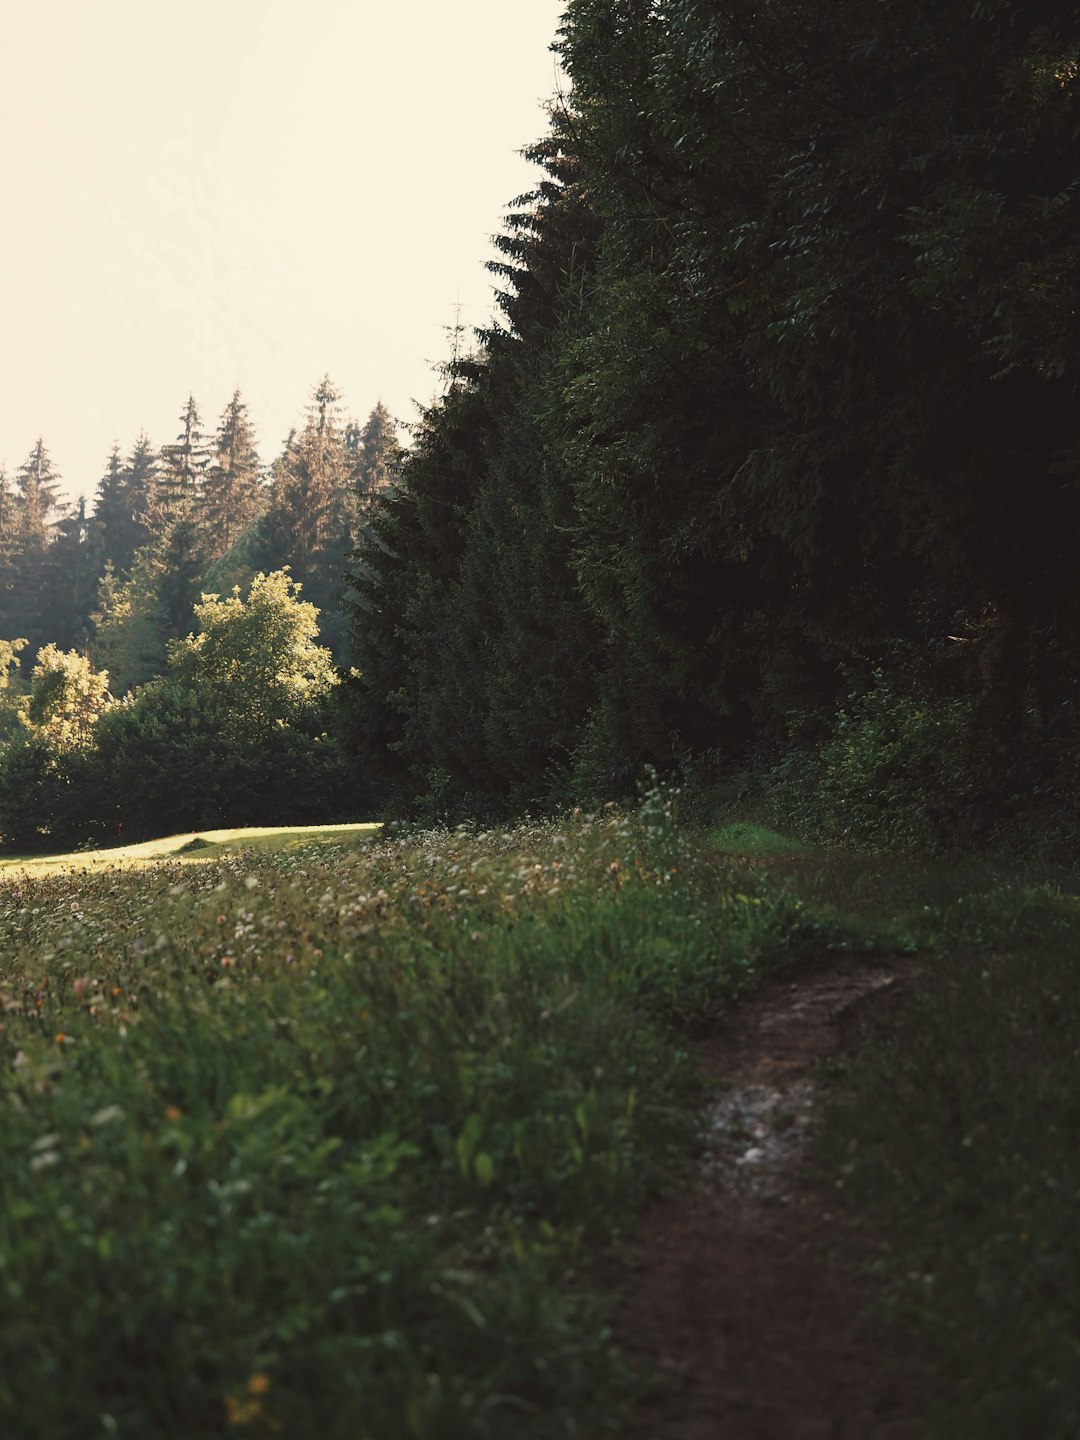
196	846
324	1132
316	1134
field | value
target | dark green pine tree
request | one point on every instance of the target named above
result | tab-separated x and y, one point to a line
132	630
8	536
182	472
122	502
311	485
311	521
400	583
476	656
36	513
374	449
140	484
110	508
77	560
232	491
175	570
839	252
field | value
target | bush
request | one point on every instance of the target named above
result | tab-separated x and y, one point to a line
171	759
33	782
896	772
955	1135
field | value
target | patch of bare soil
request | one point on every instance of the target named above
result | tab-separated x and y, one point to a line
744	1291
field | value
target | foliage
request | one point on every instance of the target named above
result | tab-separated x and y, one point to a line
472	644
238	732
11	688
954	1134
173	757
132	622
34	783
785	393
892	772
232	497
258	656
67	696
316	1141
312	510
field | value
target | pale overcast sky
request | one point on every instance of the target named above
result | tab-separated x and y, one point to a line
251	193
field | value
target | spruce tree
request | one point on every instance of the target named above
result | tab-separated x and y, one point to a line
183	470
132	626
36	513
77	560
311	521
123	503
8	537
374	449
174	561
232	491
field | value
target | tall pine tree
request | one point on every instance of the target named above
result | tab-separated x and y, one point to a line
37	510
311	523
232	496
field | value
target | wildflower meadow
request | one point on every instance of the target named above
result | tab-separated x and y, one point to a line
320	1139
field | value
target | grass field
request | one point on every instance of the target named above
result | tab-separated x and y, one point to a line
318	1133
313	1137
198	845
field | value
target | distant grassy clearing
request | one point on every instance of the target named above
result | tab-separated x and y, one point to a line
212	844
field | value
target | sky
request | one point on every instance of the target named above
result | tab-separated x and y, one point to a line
252	194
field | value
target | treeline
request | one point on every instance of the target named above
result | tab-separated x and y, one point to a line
167	523
159	670
241	729
777	432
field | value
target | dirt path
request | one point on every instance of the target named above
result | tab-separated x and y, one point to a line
742	1291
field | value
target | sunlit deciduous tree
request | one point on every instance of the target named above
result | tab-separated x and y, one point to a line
258	655
67	695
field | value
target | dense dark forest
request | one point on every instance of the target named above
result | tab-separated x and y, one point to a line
765	474
773	449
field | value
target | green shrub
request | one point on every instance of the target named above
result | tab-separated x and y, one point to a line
956	1136
894	773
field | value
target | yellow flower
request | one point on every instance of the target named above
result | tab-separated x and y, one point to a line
247	1408
173	1112
239	1410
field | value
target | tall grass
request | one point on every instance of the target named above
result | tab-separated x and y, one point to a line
955	1134
314	1143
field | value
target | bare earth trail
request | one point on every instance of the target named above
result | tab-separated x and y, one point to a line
743	1291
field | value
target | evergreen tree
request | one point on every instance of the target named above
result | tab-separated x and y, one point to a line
183	470
8	541
374	450
232	492
140	483
475	655
36	513
132	625
121	503
77	561
311	522
172	564
311	485
783	388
